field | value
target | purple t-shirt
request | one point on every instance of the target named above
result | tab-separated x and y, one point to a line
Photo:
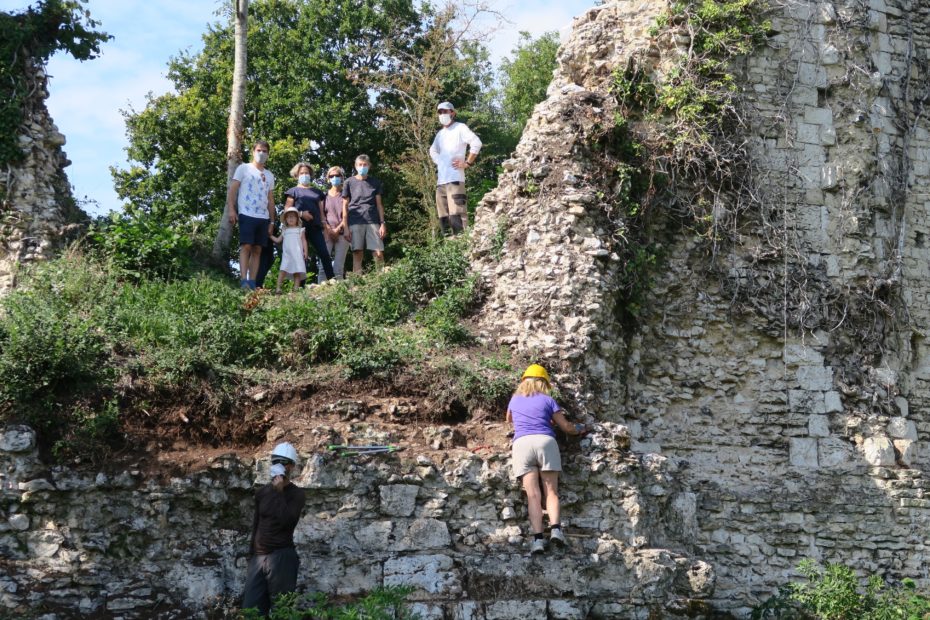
532	415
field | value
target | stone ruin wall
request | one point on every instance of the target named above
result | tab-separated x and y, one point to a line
788	379
37	211
450	523
774	398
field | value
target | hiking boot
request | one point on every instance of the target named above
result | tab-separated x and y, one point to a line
557	538
538	546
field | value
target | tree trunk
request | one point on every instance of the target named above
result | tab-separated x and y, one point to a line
234	128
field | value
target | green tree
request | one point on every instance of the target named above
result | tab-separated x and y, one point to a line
446	62
526	77
32	36
302	95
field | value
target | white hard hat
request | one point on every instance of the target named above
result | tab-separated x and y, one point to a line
284	451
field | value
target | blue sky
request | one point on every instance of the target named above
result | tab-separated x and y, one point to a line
86	98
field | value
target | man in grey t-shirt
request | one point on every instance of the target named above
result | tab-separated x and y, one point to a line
363	210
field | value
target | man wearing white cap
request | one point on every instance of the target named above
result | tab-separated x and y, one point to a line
273	566
448	153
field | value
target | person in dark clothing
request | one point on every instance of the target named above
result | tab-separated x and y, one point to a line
265	260
307	200
274	563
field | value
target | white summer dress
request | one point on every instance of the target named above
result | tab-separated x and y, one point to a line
292	251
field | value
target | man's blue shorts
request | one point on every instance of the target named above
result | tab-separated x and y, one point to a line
252	231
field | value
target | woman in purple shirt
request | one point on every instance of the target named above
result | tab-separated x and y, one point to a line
535	453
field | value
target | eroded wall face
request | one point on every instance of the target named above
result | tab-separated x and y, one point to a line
450	523
37	212
786	372
809	442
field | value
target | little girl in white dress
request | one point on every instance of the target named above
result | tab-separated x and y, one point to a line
293	248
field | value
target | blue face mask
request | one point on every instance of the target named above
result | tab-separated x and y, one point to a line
304	179
363	170
336	181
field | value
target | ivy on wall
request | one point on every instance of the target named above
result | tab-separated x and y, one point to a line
31	36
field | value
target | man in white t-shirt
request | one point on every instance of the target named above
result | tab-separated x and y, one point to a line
448	153
250	201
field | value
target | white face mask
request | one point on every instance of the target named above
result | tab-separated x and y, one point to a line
445	119
261	156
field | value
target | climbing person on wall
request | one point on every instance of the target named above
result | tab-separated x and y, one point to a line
273	566
448	153
535	453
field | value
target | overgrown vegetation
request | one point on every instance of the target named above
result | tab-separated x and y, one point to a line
835	592
381	604
32	36
80	342
671	158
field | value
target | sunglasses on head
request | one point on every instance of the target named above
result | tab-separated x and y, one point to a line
280	462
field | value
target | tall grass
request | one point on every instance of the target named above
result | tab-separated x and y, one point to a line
74	329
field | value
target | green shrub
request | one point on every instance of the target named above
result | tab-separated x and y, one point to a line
78	322
381	604
142	247
834	592
48	353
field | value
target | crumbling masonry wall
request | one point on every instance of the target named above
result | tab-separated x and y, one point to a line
786	374
37	211
449	522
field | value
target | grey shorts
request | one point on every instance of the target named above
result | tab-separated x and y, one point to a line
365	237
451	200
535	452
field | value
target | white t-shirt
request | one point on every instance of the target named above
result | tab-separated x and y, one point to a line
448	145
254	185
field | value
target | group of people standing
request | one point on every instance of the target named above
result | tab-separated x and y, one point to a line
349	214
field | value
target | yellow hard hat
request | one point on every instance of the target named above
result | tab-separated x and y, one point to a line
537	371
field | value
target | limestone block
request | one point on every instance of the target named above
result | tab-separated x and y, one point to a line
19	522
902	428
878	451
802	452
508	610
426	611
818	426
568	609
342	575
907	451
815	378
399	500
423	534
468	610
902	405
17	438
833	402
804	401
375	536
833	452
429	574
801	355
699	580
44	543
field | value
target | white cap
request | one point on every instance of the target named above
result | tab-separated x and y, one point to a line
445	105
277	470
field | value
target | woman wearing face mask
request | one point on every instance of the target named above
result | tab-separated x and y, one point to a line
334	226
309	201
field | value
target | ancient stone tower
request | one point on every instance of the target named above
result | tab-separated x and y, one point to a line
785	373
37	211
765	403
